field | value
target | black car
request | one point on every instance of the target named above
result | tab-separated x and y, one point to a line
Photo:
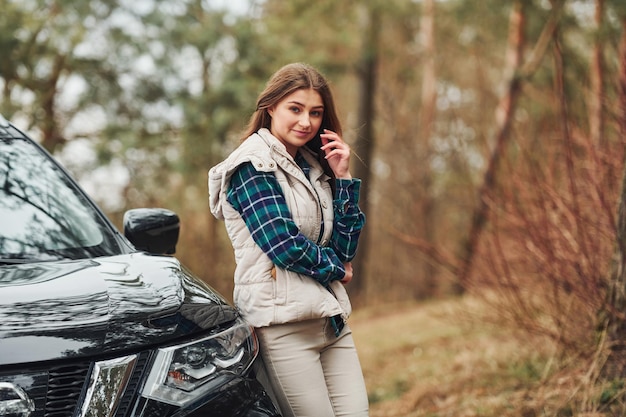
94	323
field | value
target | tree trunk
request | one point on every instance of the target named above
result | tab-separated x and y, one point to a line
365	140
614	311
425	133
504	114
596	113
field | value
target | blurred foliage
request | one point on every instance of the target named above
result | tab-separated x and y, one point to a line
163	90
140	99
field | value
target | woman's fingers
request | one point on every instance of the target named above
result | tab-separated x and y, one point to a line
337	153
349	273
329	138
332	142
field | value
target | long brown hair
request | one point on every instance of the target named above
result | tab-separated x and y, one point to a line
286	80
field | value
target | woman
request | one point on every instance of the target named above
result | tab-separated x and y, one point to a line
290	207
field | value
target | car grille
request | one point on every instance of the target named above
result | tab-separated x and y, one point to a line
65	385
58	391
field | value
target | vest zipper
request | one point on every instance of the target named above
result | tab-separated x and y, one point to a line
321	208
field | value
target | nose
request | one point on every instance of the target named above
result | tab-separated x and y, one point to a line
304	120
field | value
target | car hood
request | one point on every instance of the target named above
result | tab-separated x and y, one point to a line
85	308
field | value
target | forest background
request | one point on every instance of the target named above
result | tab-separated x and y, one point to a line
489	135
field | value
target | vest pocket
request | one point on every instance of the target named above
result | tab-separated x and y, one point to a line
281	286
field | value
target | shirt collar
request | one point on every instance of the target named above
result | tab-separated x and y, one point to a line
303	164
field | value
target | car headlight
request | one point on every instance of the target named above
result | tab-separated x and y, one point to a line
182	373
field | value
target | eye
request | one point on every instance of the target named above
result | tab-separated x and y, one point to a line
295	109
317	113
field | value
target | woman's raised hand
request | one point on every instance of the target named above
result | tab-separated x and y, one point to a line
337	153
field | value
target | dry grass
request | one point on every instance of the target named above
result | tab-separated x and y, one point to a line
440	359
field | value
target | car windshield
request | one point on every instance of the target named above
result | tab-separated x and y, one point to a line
43	216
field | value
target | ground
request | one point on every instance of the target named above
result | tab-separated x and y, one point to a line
440	359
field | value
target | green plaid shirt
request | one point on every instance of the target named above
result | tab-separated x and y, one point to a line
258	197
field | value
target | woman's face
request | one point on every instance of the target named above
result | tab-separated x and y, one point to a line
297	118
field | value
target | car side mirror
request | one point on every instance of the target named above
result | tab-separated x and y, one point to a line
153	230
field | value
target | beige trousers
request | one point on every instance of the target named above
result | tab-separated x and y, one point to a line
312	372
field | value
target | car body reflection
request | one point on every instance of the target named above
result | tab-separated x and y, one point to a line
107	305
85	312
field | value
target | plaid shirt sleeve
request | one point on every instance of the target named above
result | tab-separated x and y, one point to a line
349	219
258	197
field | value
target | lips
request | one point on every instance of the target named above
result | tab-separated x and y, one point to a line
301	134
